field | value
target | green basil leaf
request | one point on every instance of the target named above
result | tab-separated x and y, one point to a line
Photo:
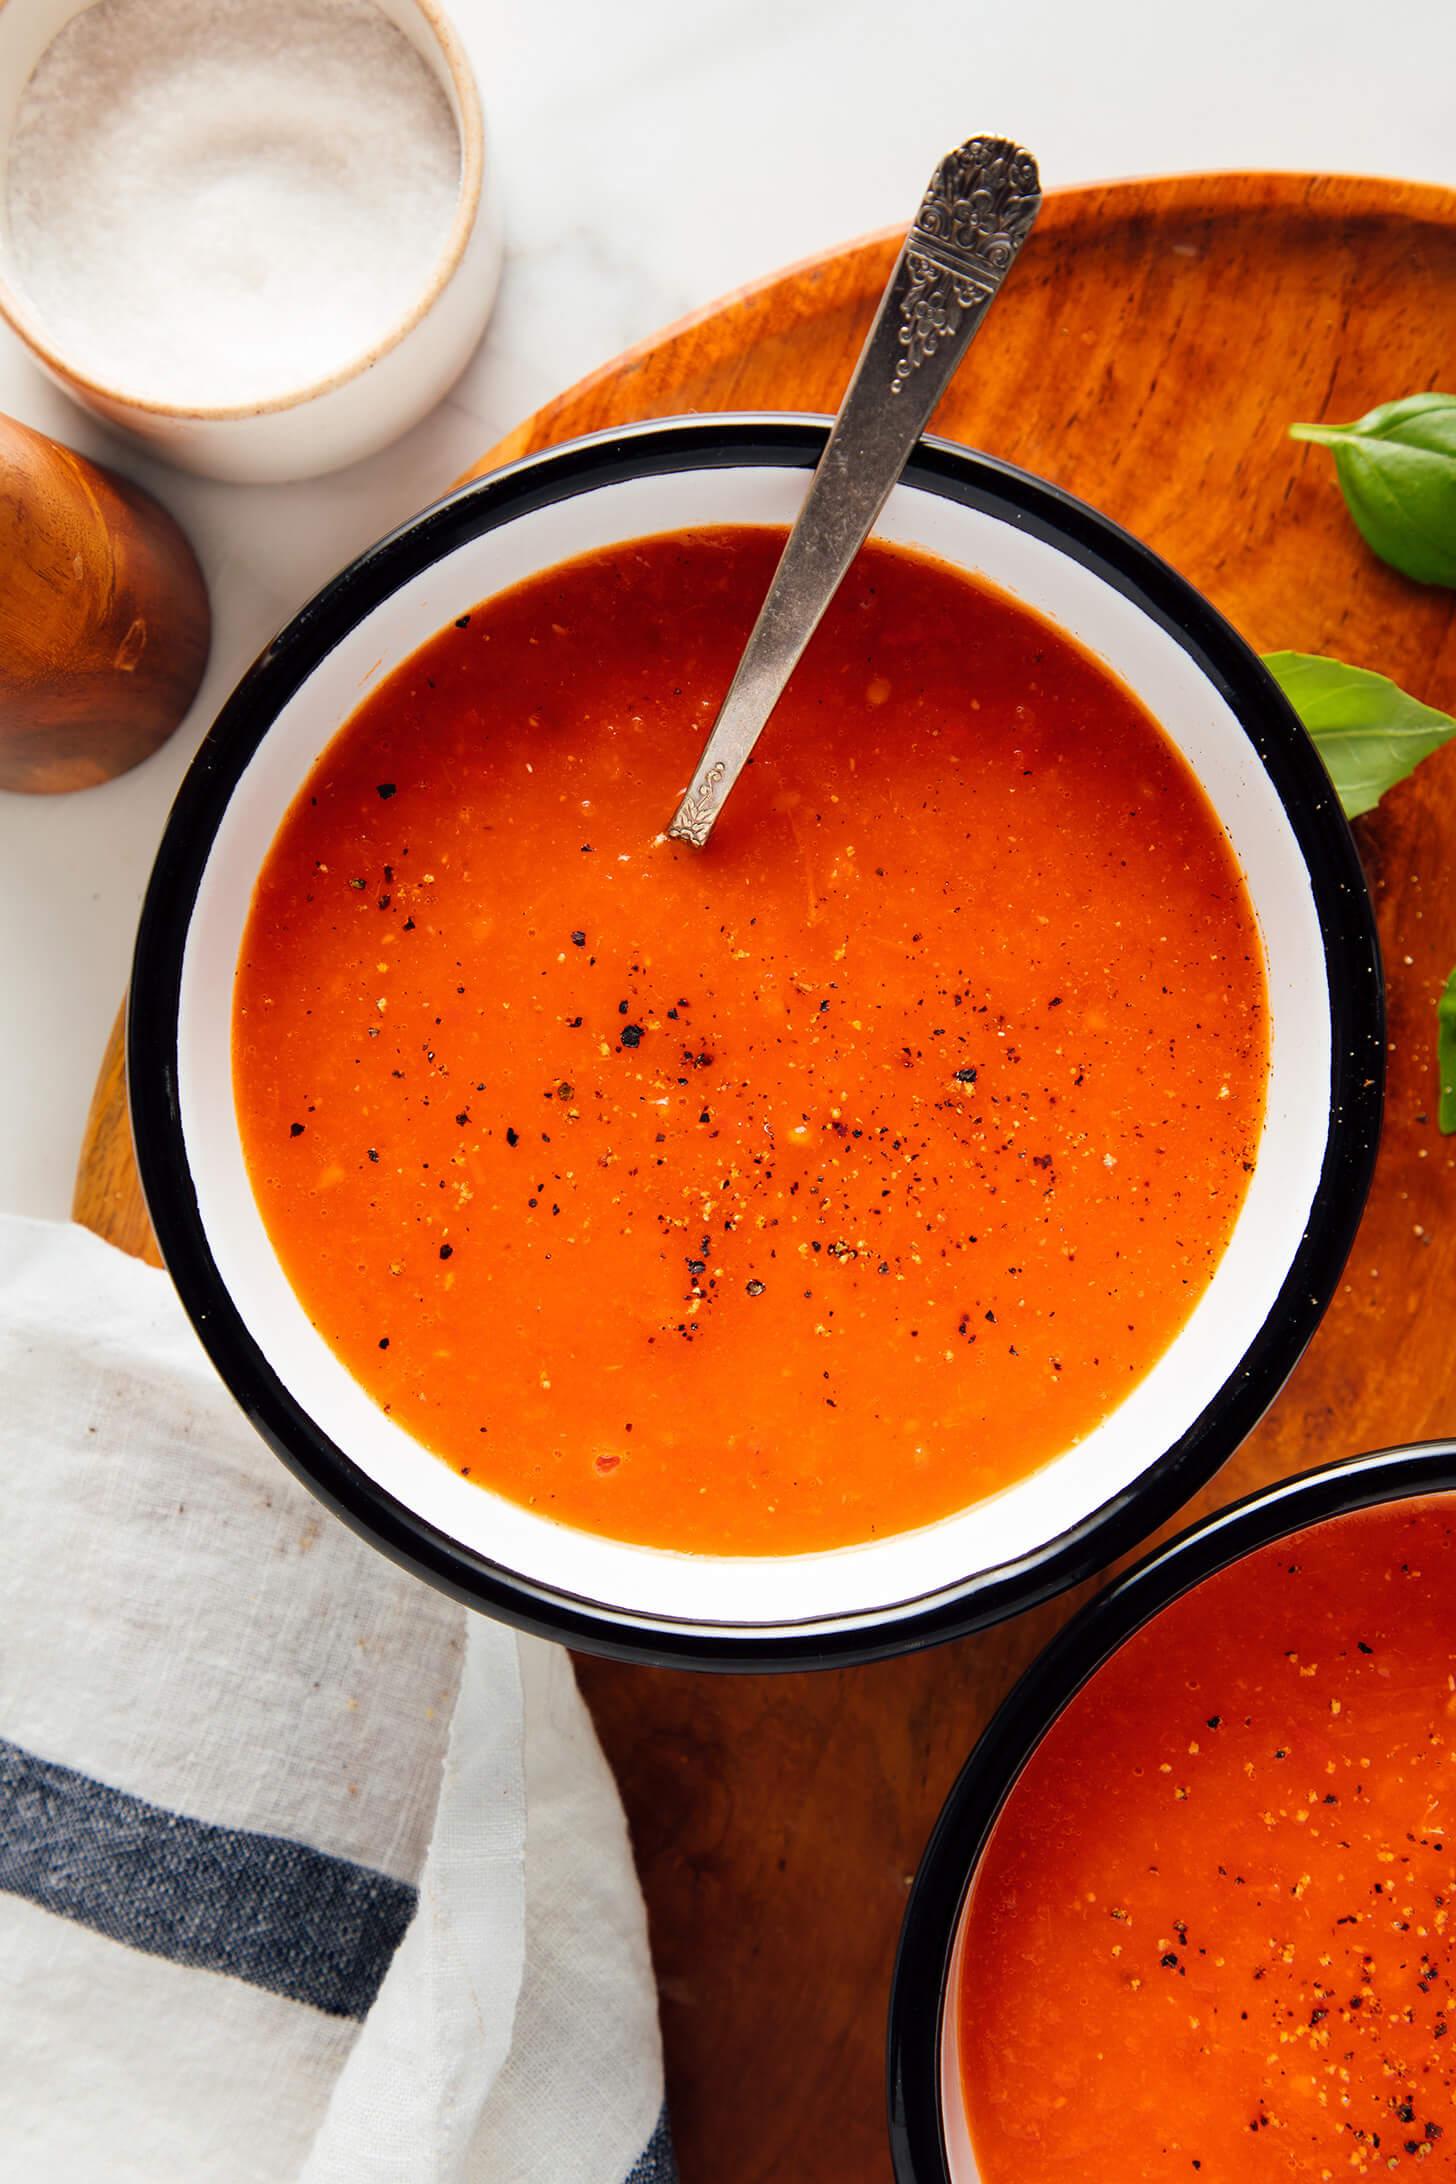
1446	1055
1397	471
1365	728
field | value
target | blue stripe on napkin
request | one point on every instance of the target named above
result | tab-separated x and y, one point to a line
657	2163
260	1908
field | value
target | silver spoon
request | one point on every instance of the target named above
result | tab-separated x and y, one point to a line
975	217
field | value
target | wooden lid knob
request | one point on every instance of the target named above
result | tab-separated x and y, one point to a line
104	622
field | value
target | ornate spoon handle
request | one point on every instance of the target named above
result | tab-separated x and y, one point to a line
975	217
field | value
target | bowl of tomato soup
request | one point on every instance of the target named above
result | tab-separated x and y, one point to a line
1188	1909
800	1249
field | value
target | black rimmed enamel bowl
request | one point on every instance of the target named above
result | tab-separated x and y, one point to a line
1270	791
930	2112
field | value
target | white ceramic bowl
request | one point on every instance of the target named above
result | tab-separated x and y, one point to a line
367	399
1274	800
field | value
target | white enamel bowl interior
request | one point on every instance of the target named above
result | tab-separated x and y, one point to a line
960	2154
892	1574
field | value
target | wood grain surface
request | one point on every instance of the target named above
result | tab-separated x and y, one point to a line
1147	353
104	620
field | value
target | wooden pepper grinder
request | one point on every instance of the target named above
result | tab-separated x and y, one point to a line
104	621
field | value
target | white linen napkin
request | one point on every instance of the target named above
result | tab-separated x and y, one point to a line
304	1871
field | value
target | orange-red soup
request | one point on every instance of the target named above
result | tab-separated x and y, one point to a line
1211	1937
782	1195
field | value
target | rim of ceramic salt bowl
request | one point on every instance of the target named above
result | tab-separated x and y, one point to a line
470	127
986	1594
916	2029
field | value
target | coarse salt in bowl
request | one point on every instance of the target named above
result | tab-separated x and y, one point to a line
1311	1166
257	235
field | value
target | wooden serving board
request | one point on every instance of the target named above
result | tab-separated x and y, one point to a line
1147	353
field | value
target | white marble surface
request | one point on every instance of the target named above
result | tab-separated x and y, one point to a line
654	154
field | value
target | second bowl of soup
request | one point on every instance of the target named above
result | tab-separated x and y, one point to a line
1186	1910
